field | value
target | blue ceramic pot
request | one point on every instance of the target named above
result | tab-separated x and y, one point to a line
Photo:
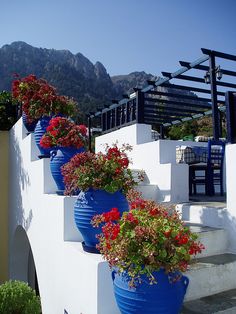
39	131
165	297
29	126
60	157
94	202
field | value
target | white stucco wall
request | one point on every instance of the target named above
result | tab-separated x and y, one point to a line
68	277
156	158
230	219
134	134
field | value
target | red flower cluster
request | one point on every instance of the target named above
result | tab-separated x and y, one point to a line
130	217
138	203
196	248
39	99
182	239
62	132
102	171
111	231
112	215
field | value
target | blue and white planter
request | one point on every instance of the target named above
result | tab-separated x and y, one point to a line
39	131
91	203
29	126
59	157
165	297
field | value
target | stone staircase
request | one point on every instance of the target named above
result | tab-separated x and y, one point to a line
213	272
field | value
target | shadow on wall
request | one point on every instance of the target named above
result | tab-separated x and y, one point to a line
220	217
230	226
19	181
19	219
22	262
153	192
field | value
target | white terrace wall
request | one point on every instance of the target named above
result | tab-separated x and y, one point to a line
42	228
230	216
156	158
4	175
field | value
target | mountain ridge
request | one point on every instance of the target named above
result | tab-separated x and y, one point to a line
73	75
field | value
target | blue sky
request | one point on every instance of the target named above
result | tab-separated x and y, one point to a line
125	35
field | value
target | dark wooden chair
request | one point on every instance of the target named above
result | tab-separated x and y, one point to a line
211	173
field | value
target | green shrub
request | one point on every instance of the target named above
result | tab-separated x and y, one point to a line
17	297
8	114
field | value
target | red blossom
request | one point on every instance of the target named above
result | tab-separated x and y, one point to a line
182	239
62	132
138	203
130	217
167	233
196	248
112	215
111	230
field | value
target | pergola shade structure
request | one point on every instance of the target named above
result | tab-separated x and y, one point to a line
165	101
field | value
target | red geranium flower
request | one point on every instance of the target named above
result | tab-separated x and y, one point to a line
62	132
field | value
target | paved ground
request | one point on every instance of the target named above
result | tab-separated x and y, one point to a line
217	200
221	303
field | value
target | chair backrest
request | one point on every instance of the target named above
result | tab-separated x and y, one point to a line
216	152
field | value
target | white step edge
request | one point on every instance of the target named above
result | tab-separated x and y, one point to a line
211	275
215	240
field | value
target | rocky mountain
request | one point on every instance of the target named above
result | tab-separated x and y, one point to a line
72	74
123	83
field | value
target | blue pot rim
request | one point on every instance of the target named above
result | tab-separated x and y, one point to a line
100	190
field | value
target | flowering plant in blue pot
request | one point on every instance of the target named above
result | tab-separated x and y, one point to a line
40	102
103	179
40	99
148	248
65	139
107	171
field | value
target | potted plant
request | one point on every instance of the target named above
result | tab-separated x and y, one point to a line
16	297
66	139
39	103
148	248
103	179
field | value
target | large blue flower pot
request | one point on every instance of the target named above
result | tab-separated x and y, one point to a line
39	131
165	297
29	126
59	157
93	202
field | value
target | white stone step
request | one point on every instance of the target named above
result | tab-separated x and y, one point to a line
215	240
206	213
89	279
211	275
149	191
136	172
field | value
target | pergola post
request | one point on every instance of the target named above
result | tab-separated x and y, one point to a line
162	132
140	107
215	114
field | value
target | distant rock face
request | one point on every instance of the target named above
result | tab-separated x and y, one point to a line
127	82
72	75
